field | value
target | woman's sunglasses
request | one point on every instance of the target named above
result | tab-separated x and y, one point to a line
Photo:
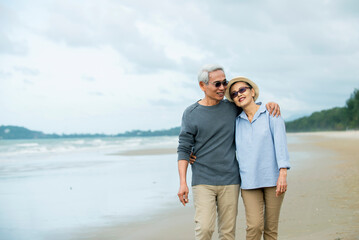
240	91
217	84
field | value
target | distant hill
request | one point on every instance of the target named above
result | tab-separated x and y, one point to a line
338	118
15	132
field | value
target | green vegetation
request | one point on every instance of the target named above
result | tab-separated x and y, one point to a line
338	118
13	132
169	132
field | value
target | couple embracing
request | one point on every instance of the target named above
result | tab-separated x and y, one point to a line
237	146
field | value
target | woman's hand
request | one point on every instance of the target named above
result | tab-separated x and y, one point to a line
281	182
192	158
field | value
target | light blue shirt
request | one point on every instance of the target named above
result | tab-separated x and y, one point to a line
261	149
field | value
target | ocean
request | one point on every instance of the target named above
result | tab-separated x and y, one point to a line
52	186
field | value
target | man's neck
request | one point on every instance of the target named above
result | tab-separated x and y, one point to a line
208	102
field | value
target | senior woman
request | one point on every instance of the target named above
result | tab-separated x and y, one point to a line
263	160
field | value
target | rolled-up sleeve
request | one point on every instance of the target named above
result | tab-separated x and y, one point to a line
280	142
186	138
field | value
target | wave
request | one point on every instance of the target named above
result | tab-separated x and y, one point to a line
40	146
27	144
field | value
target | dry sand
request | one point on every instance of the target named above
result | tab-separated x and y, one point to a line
322	201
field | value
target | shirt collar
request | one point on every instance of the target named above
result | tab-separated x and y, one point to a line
262	109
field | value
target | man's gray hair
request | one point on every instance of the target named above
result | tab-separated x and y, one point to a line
203	75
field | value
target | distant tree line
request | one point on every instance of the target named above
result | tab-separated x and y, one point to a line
338	118
168	132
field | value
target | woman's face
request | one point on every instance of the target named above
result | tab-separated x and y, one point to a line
243	98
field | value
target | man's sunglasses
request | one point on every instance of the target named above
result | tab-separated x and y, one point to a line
217	84
240	91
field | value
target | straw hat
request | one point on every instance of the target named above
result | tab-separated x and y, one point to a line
241	79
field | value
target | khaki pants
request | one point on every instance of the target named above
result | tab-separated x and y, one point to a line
208	200
262	212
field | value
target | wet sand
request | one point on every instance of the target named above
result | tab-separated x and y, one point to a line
322	201
147	152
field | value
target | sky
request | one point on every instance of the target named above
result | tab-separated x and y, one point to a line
106	66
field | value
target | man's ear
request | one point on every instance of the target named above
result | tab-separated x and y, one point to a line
202	85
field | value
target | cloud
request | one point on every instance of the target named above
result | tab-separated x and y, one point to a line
10	42
8	46
26	81
5	74
103	24
88	78
142	57
164	102
26	71
97	94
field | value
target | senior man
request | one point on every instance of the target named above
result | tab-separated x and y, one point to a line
207	131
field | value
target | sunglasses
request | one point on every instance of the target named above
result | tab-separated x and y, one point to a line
240	91
217	84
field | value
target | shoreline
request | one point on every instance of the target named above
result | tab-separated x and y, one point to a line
322	201
351	134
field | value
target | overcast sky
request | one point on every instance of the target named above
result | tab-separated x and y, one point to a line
102	66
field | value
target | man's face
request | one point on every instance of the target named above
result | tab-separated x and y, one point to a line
211	91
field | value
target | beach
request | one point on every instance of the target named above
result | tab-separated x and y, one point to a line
322	201
112	189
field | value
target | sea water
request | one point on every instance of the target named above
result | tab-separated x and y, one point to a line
52	186
56	185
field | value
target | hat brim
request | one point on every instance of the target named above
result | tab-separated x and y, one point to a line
241	79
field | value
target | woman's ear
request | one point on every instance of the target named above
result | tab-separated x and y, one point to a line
253	92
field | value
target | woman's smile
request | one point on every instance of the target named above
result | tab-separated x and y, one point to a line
241	99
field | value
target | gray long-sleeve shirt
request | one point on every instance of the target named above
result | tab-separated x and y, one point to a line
209	131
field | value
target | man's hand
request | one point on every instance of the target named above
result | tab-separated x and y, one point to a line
183	194
192	158
183	190
281	182
273	109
